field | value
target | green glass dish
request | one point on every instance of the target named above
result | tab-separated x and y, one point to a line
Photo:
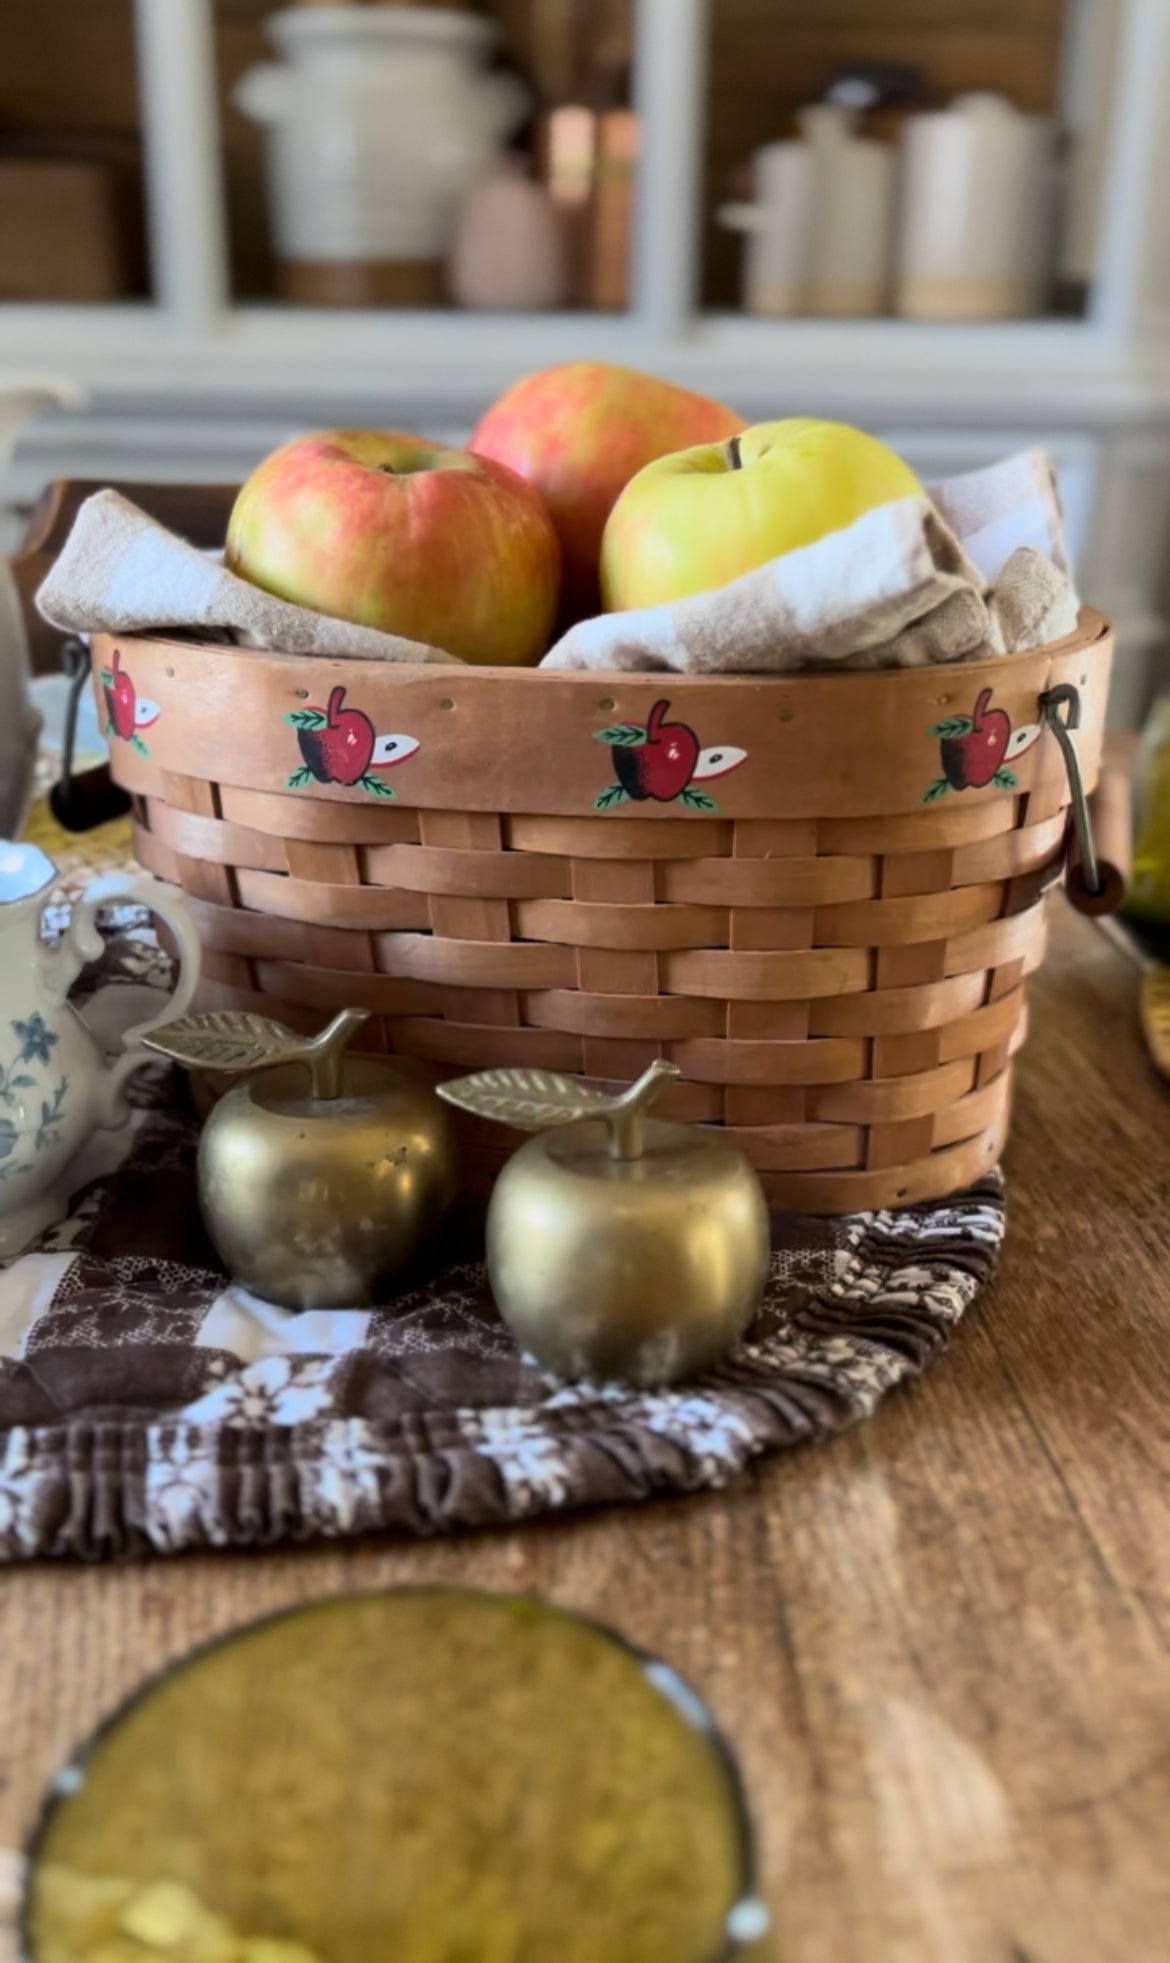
422	1776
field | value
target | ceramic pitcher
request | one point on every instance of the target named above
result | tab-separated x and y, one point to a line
820	228
56	1088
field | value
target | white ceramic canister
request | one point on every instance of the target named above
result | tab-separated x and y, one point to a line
776	224
820	228
975	235
378	122
854	209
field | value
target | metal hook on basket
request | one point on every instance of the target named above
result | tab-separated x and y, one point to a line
80	803
1065	696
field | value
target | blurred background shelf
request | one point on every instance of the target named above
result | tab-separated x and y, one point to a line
154	250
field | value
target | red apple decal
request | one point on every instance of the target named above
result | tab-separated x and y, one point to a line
973	749
125	714
659	760
341	746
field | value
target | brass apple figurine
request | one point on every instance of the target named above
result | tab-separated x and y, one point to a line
317	1188
618	1247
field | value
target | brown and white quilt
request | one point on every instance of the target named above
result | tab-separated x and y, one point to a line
147	1406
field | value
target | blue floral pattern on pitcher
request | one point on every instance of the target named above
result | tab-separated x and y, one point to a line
36	1042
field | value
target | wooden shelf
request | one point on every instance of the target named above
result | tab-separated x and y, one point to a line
451	362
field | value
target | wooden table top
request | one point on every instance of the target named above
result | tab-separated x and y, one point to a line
939	1645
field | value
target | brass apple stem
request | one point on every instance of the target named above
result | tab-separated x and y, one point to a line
733	456
325	1055
626	1114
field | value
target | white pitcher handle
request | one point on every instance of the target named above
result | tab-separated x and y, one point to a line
84	943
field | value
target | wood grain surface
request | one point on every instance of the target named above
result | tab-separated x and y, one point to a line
939	1646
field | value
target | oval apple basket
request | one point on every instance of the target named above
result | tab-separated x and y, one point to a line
818	895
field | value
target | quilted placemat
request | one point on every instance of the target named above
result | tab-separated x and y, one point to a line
147	1406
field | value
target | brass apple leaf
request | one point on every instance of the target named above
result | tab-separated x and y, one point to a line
535	1100
225	1039
532	1100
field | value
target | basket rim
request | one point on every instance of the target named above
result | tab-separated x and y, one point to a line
1092	631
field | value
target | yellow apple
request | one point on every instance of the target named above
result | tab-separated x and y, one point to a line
702	517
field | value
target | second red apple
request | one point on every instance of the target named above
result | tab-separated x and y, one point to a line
578	433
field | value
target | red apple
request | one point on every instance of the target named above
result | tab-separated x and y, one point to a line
664	764
397	533
971	761
579	433
121	703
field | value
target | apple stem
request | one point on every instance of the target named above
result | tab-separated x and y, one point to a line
981	706
626	1114
654	719
733	456
116	663
336	698
326	1053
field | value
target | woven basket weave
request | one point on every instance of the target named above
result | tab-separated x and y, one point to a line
830	937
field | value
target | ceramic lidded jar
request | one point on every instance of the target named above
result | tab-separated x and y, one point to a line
976	238
378	121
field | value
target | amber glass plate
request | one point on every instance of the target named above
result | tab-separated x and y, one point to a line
431	1776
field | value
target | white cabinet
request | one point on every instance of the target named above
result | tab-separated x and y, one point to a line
194	386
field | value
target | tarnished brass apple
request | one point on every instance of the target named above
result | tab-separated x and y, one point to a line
316	1190
618	1247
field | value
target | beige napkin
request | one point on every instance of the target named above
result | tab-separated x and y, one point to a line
977	568
121	572
900	588
1004	507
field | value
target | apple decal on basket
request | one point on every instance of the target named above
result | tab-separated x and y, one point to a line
975	750
662	760
126	712
341	746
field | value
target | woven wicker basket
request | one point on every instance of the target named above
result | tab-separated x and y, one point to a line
828	932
